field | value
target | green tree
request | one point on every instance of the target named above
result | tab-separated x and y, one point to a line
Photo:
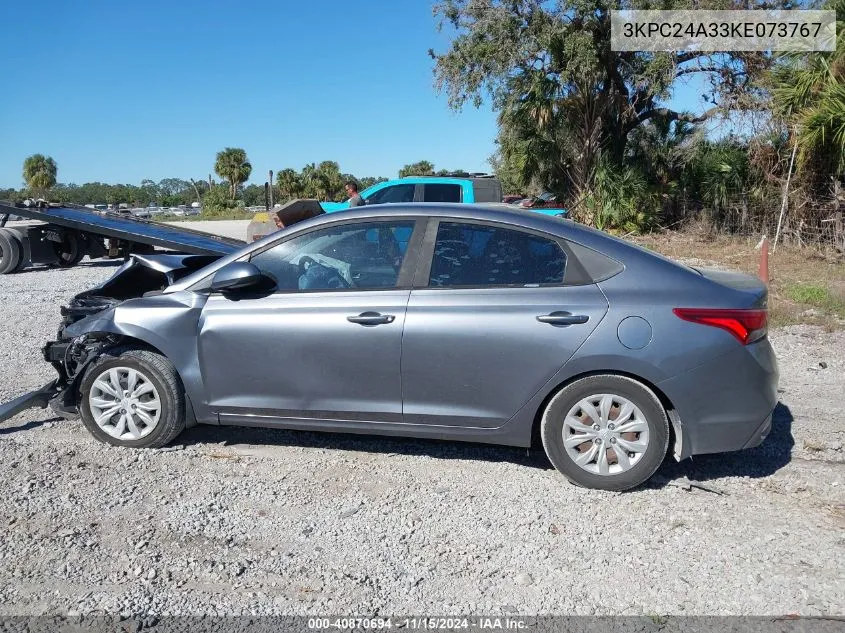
39	172
149	191
719	173
289	184
233	166
312	182
420	168
216	201
254	196
662	151
809	94
566	102
368	181
619	200
332	180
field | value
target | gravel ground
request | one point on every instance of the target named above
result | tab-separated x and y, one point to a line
248	521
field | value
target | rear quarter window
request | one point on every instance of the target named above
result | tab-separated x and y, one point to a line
589	266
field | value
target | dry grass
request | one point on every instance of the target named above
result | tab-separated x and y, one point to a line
805	286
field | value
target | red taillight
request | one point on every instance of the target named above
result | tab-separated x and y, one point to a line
746	325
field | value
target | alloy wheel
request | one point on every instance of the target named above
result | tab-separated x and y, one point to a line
125	403
605	434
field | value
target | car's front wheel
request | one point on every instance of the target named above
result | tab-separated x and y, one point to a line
605	431
132	398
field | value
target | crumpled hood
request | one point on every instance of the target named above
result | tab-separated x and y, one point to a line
141	275
148	273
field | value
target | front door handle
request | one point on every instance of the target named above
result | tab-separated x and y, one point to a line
371	318
563	318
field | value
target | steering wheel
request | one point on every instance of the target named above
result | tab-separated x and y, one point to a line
305	262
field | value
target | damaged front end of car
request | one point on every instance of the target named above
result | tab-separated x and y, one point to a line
88	329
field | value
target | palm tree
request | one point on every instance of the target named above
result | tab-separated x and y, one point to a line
233	166
420	168
331	179
289	183
312	181
39	172
809	93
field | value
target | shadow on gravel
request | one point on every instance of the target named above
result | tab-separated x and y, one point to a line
764	460
34	424
435	449
772	455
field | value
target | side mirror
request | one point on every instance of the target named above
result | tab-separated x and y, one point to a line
236	276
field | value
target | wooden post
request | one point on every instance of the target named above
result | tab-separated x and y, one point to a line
837	215
764	260
786	188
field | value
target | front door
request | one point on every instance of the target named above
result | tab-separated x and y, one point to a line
326	344
492	326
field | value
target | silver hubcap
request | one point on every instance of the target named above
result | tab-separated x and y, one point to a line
605	434
124	403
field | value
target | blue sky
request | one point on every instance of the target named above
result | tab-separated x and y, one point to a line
119	92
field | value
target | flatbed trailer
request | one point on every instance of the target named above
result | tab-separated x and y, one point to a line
63	234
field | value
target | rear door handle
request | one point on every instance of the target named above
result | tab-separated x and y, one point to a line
563	318
371	318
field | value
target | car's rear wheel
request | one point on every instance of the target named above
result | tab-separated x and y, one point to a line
605	431
133	398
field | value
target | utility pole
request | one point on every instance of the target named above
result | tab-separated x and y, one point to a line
271	188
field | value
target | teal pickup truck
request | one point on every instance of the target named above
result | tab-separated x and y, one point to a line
466	189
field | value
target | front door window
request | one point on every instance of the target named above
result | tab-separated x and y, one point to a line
360	256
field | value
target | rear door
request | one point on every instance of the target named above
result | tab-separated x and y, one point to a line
489	322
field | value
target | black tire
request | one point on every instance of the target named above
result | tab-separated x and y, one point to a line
159	371
10	252
70	251
23	260
642	466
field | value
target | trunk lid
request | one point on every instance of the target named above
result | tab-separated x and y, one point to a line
751	290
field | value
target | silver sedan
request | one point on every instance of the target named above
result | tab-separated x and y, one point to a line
456	322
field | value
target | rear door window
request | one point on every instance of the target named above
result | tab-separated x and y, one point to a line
482	255
441	193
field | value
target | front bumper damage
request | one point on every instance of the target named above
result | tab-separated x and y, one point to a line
39	398
70	358
71	355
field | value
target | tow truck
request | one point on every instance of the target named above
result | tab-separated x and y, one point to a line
62	234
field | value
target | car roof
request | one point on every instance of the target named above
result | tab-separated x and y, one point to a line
503	213
483	212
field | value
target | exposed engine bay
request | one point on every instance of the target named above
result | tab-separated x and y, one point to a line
141	275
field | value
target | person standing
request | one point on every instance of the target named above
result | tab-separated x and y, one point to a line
355	199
